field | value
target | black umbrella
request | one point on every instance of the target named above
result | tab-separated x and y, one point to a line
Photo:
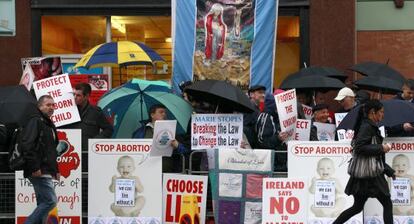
379	83
17	105
371	68
311	82
321	71
395	112
222	94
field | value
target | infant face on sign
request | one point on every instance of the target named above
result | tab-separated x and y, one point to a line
325	168
126	166
401	165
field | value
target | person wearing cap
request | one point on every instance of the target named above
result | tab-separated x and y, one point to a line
256	95
346	98
321	115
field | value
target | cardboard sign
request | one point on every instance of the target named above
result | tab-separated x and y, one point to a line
68	189
288	112
184	198
43	67
99	85
401	191
220	131
326	163
325	132
27	78
164	133
284	200
59	88
307	110
303	128
121	170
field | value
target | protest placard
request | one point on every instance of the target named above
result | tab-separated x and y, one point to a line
326	165
27	78
164	133
59	88
339	117
401	159
43	67
307	110
325	132
284	200
68	189
303	128
114	166
99	84
287	109
216	131
184	198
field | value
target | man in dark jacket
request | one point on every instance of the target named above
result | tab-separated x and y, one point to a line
407	93
93	121
38	142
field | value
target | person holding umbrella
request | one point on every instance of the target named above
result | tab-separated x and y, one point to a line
405	129
367	142
345	97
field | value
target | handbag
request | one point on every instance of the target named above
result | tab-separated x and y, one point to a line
361	166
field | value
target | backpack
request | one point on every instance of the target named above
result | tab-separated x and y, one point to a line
16	154
266	130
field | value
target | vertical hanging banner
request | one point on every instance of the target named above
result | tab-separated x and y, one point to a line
231	37
124	182
287	109
59	88
401	159
68	189
284	200
184	198
326	165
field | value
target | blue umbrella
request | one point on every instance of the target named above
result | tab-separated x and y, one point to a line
128	105
395	112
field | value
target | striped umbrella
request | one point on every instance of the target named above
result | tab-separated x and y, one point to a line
121	53
128	105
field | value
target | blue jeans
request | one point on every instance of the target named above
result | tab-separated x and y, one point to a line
45	197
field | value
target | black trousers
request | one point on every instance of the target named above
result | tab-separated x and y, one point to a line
358	206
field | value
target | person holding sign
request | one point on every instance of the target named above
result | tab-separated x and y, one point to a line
367	142
159	112
326	171
123	205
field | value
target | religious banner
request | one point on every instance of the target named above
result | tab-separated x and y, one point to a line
124	182
68	188
326	165
236	183
401	159
184	198
231	40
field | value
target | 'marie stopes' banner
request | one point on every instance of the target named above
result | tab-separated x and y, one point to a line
225	40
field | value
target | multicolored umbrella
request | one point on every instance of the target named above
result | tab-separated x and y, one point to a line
121	53
128	105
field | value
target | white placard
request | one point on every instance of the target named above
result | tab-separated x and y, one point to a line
178	186
68	189
303	128
401	191
307	110
324	194
114	159
245	159
284	200
125	192
164	133
60	89
345	135
324	161
27	78
216	131
326	132
339	117
288	112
